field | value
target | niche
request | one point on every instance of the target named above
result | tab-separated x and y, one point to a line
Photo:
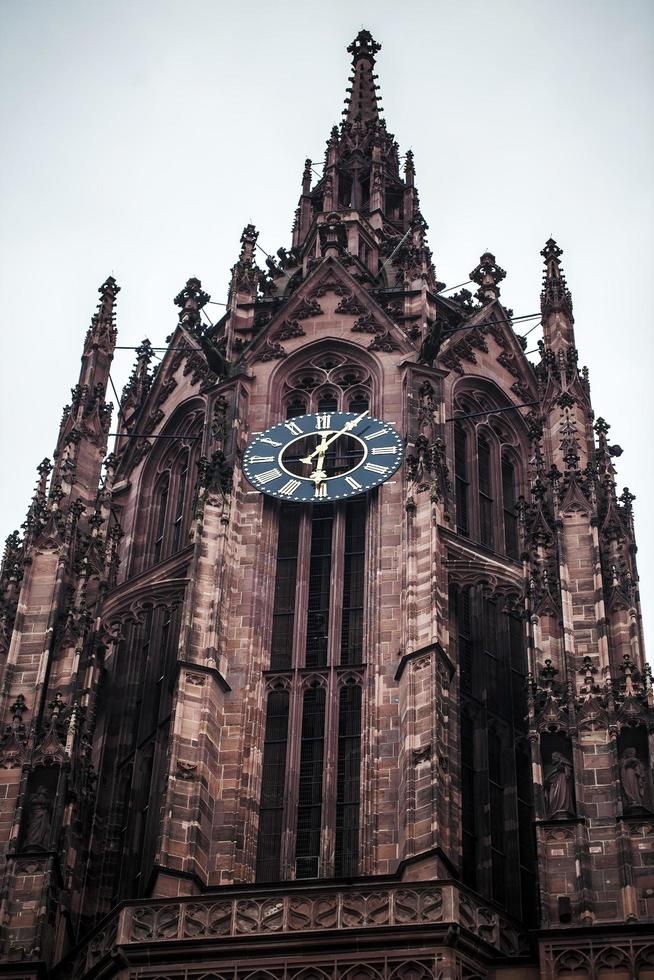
558	776
635	775
38	810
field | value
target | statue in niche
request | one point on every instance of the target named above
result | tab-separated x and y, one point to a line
37	833
558	787
633	776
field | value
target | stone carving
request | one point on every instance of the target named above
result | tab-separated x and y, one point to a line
288	330
270	352
39	816
633	776
384	342
558	787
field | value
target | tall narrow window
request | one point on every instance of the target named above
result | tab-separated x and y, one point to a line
180	497
161	505
485	493
465	638
353	582
508	505
272	787
348	780
497	811
461	478
309	811
320	567
497	821
468	800
281	654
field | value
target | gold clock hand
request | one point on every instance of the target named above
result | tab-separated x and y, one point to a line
326	443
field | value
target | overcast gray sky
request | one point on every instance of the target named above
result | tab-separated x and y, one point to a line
140	137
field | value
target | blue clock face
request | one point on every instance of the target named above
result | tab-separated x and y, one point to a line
323	457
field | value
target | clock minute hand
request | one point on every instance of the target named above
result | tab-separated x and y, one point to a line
326	443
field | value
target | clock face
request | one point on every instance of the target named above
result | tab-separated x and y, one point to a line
323	457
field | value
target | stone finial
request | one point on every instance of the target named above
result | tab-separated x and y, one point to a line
191	300
555	295
487	275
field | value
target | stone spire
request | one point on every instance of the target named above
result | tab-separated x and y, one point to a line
362	103
556	301
82	442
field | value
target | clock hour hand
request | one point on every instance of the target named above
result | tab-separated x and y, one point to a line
326	443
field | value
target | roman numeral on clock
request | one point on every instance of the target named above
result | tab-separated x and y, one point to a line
268	475
352	483
323	421
269	442
321	491
261	459
382	450
294	428
290	487
375	435
376	468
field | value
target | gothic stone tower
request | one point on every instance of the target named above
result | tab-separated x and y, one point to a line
402	731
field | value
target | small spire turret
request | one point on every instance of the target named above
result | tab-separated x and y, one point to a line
556	301
362	104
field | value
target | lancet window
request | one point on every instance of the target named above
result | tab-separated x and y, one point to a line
169	483
487	475
139	678
317	661
498	849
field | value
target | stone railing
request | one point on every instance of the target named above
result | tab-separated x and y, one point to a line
248	913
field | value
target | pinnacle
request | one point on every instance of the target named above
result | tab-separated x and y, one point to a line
362	103
555	295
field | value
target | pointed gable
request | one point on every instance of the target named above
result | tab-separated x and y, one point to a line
329	303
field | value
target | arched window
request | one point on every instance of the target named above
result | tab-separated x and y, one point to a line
486	455
167	490
318	613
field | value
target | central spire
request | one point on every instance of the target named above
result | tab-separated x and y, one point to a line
361	103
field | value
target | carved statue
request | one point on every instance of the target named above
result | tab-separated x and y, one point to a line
558	787
634	779
431	343
37	833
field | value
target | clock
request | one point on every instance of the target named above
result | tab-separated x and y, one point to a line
323	457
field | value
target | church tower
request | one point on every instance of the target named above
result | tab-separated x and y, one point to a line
338	670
